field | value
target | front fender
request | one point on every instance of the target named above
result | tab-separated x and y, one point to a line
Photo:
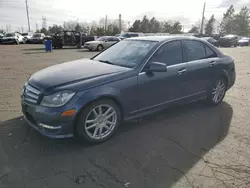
90	95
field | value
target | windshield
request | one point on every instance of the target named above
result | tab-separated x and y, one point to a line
128	53
37	35
102	39
24	34
9	35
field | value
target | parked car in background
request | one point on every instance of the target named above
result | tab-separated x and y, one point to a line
244	41
211	40
70	38
228	41
101	43
89	98
37	38
129	35
12	38
27	36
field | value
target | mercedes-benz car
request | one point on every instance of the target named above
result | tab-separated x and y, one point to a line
90	98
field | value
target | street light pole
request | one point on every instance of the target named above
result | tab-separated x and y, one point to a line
27	10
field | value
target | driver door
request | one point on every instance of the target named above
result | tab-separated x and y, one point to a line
159	89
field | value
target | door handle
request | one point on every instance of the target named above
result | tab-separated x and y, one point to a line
182	71
211	64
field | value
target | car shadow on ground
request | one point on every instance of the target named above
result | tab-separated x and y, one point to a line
155	151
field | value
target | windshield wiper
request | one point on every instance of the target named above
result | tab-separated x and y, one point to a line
106	61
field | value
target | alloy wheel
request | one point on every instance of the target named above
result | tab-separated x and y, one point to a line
100	122
218	91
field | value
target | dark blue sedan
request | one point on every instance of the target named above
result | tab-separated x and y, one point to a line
89	98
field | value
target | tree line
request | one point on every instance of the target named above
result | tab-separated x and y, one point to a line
232	23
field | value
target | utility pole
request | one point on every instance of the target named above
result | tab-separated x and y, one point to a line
36	26
27	10
202	19
105	23
120	23
44	22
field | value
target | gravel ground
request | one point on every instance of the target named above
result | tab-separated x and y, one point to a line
183	147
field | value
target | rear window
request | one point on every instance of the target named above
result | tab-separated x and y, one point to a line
193	50
209	52
37	35
134	35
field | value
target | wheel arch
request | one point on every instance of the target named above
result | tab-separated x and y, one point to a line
99	45
102	97
225	76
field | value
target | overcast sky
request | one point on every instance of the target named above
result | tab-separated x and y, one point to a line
13	12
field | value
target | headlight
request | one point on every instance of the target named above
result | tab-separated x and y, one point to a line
57	99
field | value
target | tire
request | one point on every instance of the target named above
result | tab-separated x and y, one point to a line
17	42
90	131
220	86
100	47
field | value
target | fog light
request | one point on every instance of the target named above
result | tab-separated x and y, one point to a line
48	126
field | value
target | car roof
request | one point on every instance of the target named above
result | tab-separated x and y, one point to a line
162	38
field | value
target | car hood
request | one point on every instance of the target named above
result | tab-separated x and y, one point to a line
72	72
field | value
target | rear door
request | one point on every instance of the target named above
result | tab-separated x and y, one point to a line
201	60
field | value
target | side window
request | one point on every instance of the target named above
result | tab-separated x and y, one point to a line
210	53
110	39
193	50
134	35
169	53
115	39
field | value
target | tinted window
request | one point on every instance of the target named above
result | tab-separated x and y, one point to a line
170	53
193	50
102	39
110	39
115	39
134	35
37	35
210	53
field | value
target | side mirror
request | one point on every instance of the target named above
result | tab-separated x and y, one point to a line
157	67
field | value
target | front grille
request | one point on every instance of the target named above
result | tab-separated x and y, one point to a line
31	94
